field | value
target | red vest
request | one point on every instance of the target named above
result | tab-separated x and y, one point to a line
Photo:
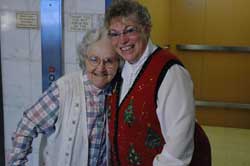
134	129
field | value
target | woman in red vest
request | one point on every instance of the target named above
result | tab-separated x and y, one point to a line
152	118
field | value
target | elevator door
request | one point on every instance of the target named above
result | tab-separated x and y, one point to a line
2	156
221	77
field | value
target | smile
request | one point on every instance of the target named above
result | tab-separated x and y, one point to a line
101	74
126	48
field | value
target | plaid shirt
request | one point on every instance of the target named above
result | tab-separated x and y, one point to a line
41	118
96	117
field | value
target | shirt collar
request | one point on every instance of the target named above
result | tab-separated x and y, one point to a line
92	88
135	67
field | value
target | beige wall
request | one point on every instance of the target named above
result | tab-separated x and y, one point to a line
160	12
218	76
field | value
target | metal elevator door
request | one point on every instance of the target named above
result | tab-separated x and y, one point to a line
52	39
2	156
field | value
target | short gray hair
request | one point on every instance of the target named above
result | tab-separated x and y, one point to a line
127	8
89	38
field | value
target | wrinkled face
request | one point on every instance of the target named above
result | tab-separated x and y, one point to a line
101	63
128	38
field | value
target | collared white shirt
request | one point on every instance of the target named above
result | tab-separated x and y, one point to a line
130	71
175	110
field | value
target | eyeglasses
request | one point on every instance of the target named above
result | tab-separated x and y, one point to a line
129	31
107	62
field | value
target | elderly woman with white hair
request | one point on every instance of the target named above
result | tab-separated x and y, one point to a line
71	113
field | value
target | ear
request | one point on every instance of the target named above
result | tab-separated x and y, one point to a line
147	30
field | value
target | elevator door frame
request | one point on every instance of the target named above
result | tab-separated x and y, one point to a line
2	150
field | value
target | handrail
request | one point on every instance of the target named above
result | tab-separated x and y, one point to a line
229	105
198	47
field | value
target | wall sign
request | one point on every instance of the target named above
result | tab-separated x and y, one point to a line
27	19
79	22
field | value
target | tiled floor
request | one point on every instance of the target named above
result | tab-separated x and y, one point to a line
230	146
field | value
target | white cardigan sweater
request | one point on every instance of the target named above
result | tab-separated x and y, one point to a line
68	145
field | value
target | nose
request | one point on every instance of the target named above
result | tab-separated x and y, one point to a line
101	66
123	38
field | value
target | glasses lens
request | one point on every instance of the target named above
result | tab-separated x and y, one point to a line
107	62
129	31
113	35
94	60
